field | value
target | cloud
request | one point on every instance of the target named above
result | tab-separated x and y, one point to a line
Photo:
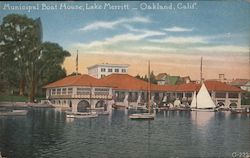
112	24
145	31
223	49
178	29
157	49
181	40
121	38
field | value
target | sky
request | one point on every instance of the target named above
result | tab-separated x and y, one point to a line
132	32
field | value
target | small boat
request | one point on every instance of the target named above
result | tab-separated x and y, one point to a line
138	107
149	115
14	113
103	112
81	115
203	101
142	116
240	110
116	106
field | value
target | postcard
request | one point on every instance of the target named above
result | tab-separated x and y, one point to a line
125	78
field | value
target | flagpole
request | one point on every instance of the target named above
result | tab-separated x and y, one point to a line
149	88
77	62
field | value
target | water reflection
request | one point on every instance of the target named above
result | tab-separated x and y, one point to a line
201	119
48	133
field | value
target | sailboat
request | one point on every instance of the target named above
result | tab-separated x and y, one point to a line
202	101
148	115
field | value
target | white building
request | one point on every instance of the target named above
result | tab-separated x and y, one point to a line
102	70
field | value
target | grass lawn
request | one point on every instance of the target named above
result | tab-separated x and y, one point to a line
4	97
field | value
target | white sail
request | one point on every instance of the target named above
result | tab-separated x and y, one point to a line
204	100
164	99
177	102
193	103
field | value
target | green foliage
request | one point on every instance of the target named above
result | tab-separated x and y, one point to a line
145	78
153	78
26	62
245	101
74	74
13	98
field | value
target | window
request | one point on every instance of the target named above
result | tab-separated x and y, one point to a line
123	70
53	91
180	95
83	91
103	70
233	95
101	91
116	70
189	95
103	76
58	91
70	91
220	95
109	70
64	91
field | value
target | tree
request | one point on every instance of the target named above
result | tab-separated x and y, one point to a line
17	32
24	56
74	74
50	63
153	78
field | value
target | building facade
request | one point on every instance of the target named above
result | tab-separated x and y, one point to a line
83	92
102	70
244	84
166	79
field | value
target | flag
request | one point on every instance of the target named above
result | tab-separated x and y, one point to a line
77	62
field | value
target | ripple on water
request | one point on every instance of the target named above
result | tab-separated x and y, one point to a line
47	133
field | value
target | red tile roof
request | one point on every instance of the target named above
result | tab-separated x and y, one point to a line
79	80
220	86
127	82
124	82
240	82
189	87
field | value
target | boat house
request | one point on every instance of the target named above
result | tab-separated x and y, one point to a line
85	92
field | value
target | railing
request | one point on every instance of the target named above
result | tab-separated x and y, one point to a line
81	96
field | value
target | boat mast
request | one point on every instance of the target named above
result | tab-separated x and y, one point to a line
196	99
200	79
201	72
149	87
77	62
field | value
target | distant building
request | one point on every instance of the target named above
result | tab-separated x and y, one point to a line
165	79
102	70
221	78
244	84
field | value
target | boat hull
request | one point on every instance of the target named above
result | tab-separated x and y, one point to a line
81	115
142	116
239	111
204	110
14	113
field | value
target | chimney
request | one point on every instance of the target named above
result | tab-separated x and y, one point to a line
221	77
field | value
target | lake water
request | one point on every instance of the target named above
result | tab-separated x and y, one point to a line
48	133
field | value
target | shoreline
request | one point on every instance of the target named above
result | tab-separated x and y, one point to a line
24	105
